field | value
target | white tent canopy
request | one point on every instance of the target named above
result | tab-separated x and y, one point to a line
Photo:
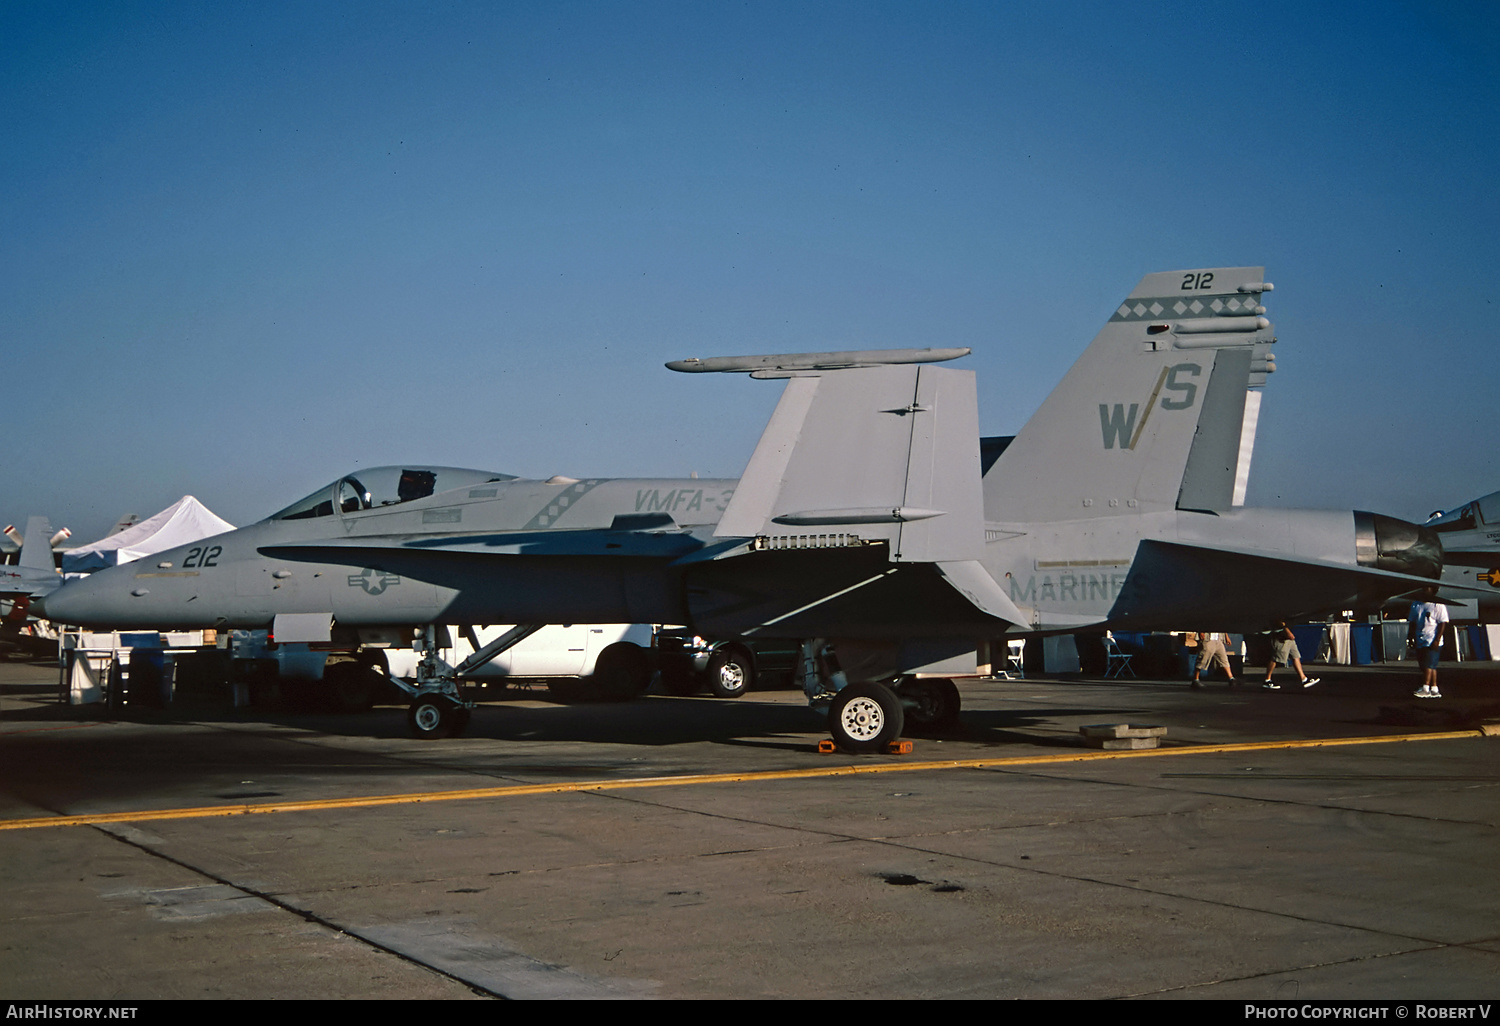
186	520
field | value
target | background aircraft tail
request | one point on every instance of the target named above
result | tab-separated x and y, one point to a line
36	545
1158	413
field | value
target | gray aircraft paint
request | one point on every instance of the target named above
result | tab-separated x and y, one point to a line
1120	462
1471	550
862	514
34	573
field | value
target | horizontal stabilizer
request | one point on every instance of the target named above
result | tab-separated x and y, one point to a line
974	583
1173	585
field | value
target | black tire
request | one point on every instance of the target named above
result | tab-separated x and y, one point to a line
433	717
678	679
566	689
731	671
377	669
622	672
348	686
259	676
300	695
865	718
931	702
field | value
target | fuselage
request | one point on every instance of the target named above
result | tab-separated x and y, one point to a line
1471	549
230	580
631	551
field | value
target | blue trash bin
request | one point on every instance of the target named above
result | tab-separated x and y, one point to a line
1362	643
1309	640
1479	642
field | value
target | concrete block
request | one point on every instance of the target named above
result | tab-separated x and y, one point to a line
1127	742
1118	730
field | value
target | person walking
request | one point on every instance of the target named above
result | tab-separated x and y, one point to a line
1284	650
1211	650
1424	631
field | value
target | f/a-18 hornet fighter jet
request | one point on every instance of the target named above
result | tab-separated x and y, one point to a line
1471	553
34	574
869	516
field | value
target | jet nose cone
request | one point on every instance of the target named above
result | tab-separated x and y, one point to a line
1386	543
72	602
55	605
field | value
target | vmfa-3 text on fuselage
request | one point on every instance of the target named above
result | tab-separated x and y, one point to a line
870	513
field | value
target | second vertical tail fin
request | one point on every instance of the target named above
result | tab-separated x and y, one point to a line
1153	415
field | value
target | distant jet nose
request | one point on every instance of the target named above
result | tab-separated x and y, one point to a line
53	606
1386	543
77	603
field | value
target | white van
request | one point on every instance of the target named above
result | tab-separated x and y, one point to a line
578	662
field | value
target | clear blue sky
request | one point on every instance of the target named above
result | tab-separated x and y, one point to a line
249	247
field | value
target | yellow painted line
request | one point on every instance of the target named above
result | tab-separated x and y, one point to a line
518	790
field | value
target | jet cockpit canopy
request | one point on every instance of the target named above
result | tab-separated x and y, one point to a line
377	487
1469	516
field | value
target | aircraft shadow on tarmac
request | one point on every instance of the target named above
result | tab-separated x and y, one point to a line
653	721
72	770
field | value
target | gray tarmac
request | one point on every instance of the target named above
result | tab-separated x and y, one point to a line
1286	871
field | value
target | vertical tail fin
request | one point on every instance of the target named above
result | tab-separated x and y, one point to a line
1153	416
36	545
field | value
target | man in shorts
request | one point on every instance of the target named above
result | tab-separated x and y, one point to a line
1212	651
1284	651
1424	631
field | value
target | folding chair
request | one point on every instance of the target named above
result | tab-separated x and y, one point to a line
1119	662
1009	666
1015	652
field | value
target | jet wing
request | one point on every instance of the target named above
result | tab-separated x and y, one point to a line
21	580
1479	559
1172	585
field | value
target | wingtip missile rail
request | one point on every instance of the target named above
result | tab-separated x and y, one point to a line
780	365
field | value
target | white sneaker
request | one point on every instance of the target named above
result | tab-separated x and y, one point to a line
1308	682
1425	692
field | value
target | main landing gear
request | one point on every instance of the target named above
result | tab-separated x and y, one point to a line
438	716
438	708
930	701
868	716
865	717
